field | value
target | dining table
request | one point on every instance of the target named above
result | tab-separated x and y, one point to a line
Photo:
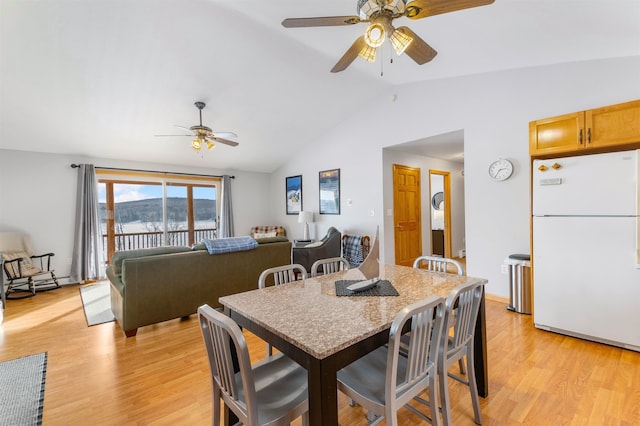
324	332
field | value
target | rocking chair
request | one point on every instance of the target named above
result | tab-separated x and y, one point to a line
25	271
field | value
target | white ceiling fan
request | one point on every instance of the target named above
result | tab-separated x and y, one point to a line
380	15
203	135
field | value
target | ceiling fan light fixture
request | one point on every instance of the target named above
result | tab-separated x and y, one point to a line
367	8
400	41
210	145
368	53
196	144
374	36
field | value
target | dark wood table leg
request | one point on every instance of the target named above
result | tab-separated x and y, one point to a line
480	351
323	392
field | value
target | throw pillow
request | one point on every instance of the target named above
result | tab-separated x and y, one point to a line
25	264
264	234
316	244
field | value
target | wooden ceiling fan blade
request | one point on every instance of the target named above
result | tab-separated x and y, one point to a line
418	9
327	21
223	141
221	135
418	49
350	55
186	129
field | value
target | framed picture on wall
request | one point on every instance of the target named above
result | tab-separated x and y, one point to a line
293	190
330	191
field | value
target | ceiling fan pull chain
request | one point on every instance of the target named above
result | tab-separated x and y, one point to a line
382	63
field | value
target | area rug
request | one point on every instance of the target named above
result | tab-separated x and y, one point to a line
22	390
97	303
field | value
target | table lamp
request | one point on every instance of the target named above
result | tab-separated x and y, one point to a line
305	217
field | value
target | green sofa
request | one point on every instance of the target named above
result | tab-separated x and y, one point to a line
152	285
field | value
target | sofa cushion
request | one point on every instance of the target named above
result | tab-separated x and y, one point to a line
26	266
198	246
315	244
119	256
271	240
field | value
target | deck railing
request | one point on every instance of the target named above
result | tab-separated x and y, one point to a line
137	240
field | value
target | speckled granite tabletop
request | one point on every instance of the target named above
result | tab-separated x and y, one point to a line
309	315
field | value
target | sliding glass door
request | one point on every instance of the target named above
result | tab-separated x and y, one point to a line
146	213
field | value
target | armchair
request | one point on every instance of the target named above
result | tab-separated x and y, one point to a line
23	268
328	247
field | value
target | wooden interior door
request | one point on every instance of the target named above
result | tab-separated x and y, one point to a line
407	214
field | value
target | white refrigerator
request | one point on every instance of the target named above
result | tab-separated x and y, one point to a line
586	270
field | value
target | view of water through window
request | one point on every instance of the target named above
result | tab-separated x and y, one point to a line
139	219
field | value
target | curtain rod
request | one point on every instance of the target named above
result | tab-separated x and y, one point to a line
75	166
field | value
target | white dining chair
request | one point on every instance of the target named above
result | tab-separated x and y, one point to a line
440	264
329	266
272	392
437	264
385	380
462	307
281	275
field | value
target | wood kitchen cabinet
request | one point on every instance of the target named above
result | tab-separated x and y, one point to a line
595	129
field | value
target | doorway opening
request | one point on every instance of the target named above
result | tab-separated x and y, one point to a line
440	208
438	153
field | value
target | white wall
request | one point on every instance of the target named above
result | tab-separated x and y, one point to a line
494	110
39	194
360	182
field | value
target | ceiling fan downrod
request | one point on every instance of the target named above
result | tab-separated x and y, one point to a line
200	106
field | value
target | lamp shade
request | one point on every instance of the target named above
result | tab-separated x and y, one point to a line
305	216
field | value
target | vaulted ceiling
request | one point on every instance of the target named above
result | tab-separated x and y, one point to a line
102	77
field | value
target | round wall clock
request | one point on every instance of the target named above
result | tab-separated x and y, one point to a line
501	169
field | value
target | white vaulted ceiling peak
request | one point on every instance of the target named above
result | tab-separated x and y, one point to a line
102	77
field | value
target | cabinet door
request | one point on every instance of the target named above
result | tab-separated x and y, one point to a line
564	133
613	125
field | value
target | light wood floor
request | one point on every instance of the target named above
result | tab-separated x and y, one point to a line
160	377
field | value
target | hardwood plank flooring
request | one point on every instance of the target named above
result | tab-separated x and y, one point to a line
160	377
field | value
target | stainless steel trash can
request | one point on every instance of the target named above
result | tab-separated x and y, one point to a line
519	266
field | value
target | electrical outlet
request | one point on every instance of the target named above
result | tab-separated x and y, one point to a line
504	269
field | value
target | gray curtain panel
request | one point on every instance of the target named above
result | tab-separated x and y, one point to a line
86	262
226	215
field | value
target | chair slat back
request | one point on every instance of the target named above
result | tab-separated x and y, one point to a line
427	318
437	264
282	274
463	305
220	333
329	266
